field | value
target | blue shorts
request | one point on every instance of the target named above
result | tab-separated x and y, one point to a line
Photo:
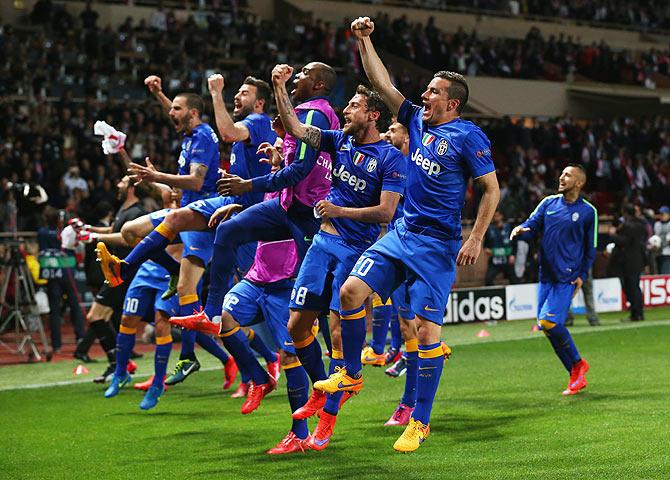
144	293
206	207
326	267
249	303
158	216
427	265
401	301
553	301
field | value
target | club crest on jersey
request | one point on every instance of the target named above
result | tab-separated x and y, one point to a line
427	139
575	216
358	158
372	165
442	147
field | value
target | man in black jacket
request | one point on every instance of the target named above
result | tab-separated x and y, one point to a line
628	258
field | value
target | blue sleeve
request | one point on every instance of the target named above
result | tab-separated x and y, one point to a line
259	127
393	179
408	111
477	153
305	159
590	243
331	140
202	151
536	220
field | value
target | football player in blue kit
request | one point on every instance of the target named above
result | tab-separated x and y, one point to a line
142	299
426	244
367	181
568	224
200	153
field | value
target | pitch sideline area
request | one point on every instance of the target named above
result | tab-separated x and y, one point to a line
498	414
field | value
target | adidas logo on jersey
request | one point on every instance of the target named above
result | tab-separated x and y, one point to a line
358	183
433	168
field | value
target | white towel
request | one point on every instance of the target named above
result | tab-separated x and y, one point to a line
113	139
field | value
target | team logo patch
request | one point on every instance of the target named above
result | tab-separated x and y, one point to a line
442	147
358	158
372	165
427	139
575	216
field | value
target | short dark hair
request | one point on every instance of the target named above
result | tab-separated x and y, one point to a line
580	168
193	101
458	90
263	90
628	209
376	104
326	74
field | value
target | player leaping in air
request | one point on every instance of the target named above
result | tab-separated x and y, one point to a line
425	246
198	172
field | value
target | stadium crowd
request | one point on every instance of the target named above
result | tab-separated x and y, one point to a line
52	143
648	14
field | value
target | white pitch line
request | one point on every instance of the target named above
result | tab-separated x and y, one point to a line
578	330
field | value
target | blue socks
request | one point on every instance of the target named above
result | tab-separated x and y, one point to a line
297	385
257	343
213	347
411	377
396	335
237	344
381	316
562	342
431	363
161	357
309	353
187	305
353	337
125	341
332	405
157	239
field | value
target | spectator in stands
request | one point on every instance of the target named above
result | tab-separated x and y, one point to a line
662	229
499	247
628	259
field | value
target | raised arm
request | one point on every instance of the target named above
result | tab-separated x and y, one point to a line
155	86
379	77
309	135
230	131
472	247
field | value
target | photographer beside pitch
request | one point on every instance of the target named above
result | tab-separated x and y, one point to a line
568	225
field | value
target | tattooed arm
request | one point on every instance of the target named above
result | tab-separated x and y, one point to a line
308	134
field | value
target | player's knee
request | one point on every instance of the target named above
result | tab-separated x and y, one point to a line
176	220
546	325
130	321
286	358
350	296
296	326
228	322
162	326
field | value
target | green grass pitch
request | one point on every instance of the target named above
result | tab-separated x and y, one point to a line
498	414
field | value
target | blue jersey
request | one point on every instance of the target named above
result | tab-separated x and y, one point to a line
244	161
442	160
360	174
569	237
401	206
200	147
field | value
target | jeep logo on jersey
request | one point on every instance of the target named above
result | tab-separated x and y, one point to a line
358	158
372	165
575	216
188	145
433	168
427	139
442	147
358	183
